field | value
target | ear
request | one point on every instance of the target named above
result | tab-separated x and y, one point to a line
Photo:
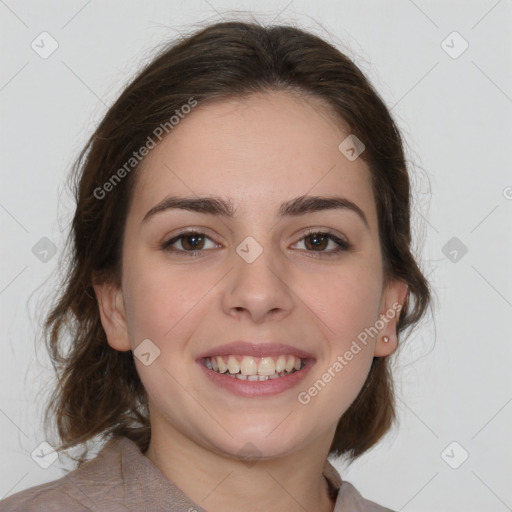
392	302
112	314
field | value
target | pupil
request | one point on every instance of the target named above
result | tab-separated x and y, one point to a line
316	239
196	239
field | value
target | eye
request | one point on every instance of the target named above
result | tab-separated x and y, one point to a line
191	242
318	241
194	242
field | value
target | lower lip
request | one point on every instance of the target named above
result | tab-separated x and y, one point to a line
247	388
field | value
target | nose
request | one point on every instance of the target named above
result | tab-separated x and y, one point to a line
259	289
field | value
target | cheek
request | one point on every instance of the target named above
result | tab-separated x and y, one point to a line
347	300
157	299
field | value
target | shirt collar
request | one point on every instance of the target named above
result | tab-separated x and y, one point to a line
145	487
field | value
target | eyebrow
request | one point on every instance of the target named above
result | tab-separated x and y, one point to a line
291	208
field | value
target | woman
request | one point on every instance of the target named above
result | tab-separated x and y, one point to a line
240	272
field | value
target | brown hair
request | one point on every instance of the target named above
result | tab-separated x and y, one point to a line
99	392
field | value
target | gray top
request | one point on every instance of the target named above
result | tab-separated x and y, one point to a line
120	479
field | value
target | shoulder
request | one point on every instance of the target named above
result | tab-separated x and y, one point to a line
51	496
78	491
348	498
351	500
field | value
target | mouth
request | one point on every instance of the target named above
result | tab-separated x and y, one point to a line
254	368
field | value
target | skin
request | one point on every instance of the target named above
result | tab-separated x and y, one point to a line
258	153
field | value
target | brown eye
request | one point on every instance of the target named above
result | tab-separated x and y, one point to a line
191	242
318	242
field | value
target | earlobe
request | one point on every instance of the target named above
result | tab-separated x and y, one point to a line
385	345
112	314
393	300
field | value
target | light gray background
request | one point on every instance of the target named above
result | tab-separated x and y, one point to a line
453	376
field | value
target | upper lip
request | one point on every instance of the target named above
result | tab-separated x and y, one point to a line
256	349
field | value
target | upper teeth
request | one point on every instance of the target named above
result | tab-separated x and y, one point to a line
247	365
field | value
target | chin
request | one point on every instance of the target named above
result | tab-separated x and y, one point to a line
264	441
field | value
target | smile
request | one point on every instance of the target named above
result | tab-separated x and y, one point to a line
250	368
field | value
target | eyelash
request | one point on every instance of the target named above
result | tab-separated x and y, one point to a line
343	245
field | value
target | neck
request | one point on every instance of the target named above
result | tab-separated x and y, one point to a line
220	483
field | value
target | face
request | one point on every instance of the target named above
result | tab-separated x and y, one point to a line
302	282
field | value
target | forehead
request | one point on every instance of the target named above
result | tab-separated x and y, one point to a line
256	151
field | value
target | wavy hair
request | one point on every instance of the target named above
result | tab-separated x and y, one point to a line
98	390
